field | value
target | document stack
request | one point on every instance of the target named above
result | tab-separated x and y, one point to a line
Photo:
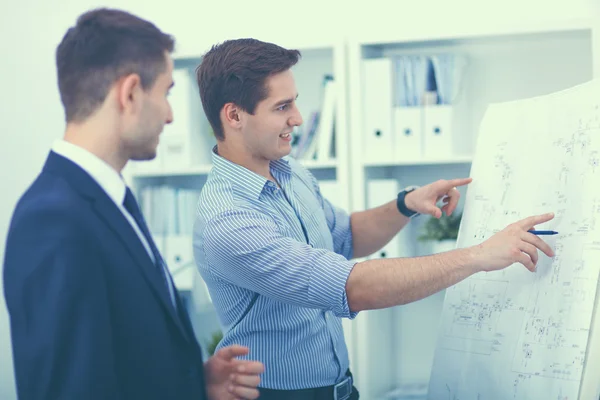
171	213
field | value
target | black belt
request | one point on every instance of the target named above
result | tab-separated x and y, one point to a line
340	391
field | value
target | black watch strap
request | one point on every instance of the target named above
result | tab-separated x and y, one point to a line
401	203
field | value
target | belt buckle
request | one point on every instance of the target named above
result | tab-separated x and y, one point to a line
343	390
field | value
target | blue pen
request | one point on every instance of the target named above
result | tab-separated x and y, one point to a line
542	232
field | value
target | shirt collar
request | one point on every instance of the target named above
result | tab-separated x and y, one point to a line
243	179
100	171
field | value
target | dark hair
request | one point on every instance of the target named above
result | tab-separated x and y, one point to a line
235	71
103	46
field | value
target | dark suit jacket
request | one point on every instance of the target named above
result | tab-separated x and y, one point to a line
90	315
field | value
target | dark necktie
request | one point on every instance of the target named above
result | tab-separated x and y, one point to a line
132	207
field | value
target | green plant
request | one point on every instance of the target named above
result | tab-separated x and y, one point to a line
445	228
212	344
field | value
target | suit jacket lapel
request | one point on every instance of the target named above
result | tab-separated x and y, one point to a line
108	211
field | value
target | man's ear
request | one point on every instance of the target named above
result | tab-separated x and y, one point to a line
231	116
129	93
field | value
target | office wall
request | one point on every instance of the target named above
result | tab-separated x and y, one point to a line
30	119
31	29
595	9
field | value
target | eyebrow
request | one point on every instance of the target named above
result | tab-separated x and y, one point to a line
282	102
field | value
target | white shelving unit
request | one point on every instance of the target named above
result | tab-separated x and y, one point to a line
395	347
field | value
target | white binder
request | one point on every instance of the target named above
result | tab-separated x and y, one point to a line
377	103
438	133
408	133
333	192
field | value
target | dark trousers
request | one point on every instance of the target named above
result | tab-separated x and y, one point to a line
322	393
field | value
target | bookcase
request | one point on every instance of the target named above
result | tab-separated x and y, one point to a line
389	349
394	348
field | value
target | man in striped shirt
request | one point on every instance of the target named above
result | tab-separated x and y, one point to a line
276	255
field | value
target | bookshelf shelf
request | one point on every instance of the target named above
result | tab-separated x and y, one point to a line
205	169
315	164
188	171
473	32
423	161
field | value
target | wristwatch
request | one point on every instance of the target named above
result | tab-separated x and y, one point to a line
401	203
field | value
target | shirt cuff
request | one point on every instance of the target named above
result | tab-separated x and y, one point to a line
335	281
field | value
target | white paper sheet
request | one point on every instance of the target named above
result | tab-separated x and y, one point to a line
514	334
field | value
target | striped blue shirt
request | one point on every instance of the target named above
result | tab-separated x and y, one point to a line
276	263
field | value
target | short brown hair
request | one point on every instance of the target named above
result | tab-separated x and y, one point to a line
235	71
103	46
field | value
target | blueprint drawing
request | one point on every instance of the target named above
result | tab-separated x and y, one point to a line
514	334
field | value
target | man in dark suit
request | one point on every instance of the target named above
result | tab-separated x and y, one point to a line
93	310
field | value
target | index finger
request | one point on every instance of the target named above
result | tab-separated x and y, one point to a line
530	222
459	182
